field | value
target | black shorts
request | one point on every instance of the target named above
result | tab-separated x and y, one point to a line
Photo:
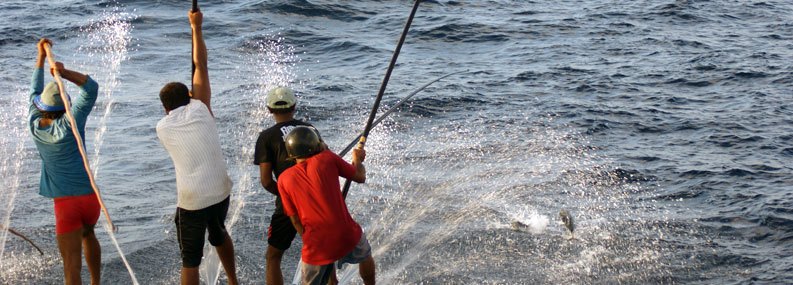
191	227
281	232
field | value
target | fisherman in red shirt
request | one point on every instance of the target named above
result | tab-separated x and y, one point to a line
312	199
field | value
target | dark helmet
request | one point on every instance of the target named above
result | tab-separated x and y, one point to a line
302	142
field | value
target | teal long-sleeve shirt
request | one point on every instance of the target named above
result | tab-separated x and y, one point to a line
62	170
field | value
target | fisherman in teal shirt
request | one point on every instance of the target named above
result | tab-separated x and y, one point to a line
63	175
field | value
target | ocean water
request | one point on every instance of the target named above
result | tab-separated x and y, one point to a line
663	127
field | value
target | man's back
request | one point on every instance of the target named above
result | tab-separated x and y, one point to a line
190	136
311	190
270	146
62	170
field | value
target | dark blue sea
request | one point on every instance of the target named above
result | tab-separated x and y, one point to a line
663	127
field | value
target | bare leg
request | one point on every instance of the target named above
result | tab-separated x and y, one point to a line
273	266
190	275
226	255
333	279
69	245
366	269
93	254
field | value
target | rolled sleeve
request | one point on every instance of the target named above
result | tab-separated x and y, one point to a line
346	169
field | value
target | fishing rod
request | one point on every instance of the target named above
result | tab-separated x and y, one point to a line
373	113
77	136
370	121
10	230
394	108
374	124
192	47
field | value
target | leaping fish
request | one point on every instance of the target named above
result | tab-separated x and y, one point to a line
518	226
567	220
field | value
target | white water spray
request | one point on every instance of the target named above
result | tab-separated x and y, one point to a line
442	213
536	223
105	47
11	159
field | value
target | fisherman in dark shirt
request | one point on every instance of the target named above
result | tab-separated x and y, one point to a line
271	157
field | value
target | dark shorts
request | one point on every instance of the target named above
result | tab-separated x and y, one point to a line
281	232
191	227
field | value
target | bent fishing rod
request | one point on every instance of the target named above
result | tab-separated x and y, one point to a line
374	124
393	109
373	113
80	144
369	123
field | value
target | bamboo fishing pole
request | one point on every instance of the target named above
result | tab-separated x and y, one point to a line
373	113
77	136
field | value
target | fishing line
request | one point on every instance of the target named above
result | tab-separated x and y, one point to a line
394	108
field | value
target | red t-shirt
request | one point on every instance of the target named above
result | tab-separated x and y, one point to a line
311	191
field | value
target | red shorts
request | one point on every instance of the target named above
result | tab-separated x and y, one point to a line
72	212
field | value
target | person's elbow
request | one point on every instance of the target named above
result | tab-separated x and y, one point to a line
270	186
200	65
360	173
265	180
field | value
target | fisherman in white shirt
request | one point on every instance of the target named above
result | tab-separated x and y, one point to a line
189	134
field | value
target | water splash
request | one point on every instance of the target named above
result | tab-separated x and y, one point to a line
12	158
270	63
105	47
534	222
428	224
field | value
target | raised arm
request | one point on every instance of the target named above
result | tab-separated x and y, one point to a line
37	82
68	74
82	105
42	53
201	89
